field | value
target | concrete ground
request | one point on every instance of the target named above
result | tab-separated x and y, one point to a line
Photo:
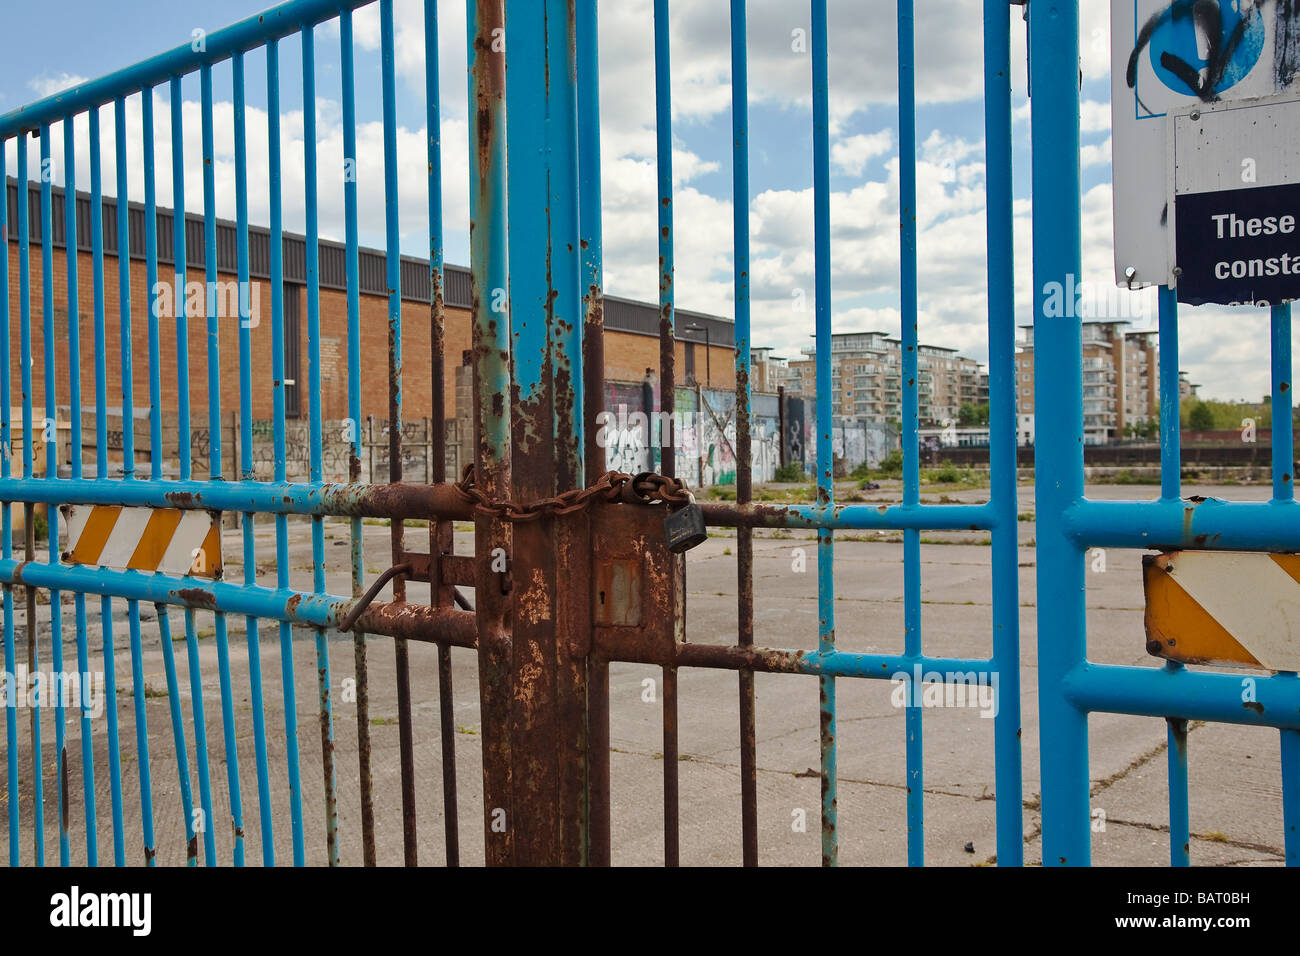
1236	815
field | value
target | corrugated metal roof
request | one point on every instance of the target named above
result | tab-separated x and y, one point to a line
623	315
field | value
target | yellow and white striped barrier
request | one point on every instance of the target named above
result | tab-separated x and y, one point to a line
1224	607
169	540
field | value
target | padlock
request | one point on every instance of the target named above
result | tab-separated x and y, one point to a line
684	527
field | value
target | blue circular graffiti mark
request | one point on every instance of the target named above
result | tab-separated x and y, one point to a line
1233	53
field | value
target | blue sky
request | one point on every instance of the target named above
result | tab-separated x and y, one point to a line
864	147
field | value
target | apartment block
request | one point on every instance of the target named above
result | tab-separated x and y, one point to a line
1121	382
867	381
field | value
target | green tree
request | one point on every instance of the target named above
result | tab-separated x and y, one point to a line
1201	418
966	415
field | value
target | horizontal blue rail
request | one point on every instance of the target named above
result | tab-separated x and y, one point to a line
249	33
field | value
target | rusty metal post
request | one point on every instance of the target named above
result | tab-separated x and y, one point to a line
549	680
441	540
591	244
489	271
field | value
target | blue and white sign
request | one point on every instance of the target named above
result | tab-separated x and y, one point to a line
1166	56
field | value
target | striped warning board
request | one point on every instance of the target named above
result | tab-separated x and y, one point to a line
1224	607
144	539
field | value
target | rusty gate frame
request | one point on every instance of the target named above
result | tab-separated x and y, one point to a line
537	353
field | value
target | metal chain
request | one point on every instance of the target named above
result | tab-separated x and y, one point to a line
646	488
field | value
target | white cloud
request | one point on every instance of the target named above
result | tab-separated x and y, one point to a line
47	84
853	153
1096	154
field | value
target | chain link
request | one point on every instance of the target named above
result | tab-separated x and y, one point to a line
646	488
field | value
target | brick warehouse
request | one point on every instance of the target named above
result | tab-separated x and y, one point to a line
631	338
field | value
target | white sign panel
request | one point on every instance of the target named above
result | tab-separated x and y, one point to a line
1234	202
1167	55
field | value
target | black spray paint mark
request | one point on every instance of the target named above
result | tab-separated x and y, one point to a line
1206	15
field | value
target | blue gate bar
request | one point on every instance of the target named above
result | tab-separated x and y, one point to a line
312	255
393	271
246	473
437	306
742	336
1171	466
120	148
180	263
825	455
910	420
1058	400
25	365
278	438
1179	826
76	439
101	471
356	548
50	436
1224	525
1002	432
178	733
156	452
1283	441
215	473
664	209
247	34
1290	744
1195	695
6	525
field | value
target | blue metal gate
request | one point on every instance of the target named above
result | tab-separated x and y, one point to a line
1069	524
537	356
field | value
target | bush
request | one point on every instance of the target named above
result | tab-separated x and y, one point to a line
41	527
891	464
948	474
790	471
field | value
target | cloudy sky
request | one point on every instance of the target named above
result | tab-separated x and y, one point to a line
1225	352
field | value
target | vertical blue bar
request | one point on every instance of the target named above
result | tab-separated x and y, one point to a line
1179	827
589	185
1058	408
51	438
122	213
664	178
178	731
180	262
152	289
70	245
154	295
25	302
6	528
1170	443
825	455
312	253
277	402
910	402
214	474
1002	432
1291	794
565	263
25	331
356	544
101	469
1283	442
246	322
